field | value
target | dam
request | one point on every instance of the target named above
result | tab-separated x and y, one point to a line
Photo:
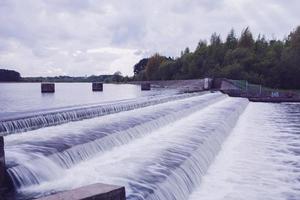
159	145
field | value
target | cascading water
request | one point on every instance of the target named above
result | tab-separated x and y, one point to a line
159	152
36	120
71	143
260	159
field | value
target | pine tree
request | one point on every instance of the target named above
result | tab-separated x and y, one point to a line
231	40
246	39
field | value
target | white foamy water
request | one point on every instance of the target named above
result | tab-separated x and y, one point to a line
168	163
261	158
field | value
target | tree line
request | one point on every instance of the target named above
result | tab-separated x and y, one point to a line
273	63
14	76
117	77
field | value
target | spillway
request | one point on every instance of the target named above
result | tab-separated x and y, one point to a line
26	121
157	152
68	144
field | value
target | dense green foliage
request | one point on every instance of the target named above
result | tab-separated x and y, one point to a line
9	75
274	63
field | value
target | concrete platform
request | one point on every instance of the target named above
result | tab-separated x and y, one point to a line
96	191
274	100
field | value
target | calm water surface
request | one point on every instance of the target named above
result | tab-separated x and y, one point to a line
17	97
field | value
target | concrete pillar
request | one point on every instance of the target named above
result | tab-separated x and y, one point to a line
145	86
97	87
207	84
2	163
48	87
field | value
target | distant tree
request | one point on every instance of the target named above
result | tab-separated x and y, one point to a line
9	75
216	51
186	50
290	69
261	45
167	69
140	66
231	40
201	44
234	71
246	40
117	73
187	64
153	66
215	39
117	77
294	38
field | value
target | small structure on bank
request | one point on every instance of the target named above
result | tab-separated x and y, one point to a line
97	87
47	87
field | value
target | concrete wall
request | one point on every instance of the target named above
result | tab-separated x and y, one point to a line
2	164
195	85
96	191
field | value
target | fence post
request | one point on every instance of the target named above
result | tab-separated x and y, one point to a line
259	90
246	87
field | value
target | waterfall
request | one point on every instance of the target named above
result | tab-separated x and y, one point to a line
85	143
157	152
179	169
260	158
55	117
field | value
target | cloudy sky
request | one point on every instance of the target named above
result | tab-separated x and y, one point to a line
84	37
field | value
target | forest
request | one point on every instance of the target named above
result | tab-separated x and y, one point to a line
273	63
114	78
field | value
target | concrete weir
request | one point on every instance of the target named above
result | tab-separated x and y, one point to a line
96	191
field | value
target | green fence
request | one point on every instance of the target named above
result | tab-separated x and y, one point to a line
255	90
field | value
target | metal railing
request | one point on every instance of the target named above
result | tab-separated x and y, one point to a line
254	90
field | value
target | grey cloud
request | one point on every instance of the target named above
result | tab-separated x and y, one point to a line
49	37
